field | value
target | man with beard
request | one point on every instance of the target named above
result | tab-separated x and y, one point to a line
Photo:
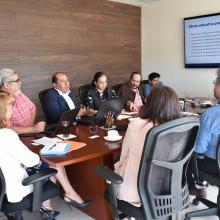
133	93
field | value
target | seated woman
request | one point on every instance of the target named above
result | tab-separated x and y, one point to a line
15	156
162	105
99	92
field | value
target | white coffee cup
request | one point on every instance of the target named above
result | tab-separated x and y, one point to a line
113	134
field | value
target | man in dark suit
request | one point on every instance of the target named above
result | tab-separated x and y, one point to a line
60	99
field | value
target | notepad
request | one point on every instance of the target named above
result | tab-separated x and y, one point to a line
57	149
74	145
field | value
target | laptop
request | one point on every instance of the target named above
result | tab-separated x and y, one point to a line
69	115
114	105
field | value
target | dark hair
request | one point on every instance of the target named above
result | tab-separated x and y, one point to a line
96	77
54	77
153	75
133	73
162	105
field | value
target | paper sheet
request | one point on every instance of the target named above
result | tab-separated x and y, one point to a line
46	140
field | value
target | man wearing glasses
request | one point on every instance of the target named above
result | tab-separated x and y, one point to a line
23	110
207	140
133	93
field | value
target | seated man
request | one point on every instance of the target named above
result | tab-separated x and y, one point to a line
153	81
208	138
23	110
60	99
133	93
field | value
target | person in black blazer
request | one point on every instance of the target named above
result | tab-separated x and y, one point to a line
99	92
60	99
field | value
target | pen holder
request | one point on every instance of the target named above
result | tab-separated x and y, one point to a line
108	120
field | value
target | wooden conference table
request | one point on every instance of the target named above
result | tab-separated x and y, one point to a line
80	166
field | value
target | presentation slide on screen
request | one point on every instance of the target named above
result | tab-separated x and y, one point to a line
202	40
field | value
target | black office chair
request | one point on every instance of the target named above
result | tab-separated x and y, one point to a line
43	190
144	81
83	90
117	87
161	180
42	95
213	208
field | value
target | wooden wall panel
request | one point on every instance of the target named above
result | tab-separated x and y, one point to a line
79	37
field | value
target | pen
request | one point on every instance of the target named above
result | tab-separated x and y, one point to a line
52	147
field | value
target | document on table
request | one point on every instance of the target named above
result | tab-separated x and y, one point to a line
120	117
124	112
46	140
189	113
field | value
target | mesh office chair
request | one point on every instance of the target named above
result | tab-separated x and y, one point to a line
43	190
42	95
213	208
83	90
161	180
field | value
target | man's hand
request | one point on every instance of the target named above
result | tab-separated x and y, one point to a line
91	112
82	111
39	127
132	107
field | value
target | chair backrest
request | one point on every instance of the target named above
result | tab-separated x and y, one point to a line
2	187
83	90
144	81
162	181
117	87
42	95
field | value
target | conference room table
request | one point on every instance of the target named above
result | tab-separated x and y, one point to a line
80	165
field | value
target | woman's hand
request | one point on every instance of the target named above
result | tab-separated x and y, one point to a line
91	112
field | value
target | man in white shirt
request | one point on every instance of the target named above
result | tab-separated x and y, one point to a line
60	99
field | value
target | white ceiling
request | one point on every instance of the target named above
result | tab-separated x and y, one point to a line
136	2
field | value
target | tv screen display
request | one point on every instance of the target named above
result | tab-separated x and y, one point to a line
202	41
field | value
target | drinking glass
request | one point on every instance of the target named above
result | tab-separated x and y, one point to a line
93	128
66	126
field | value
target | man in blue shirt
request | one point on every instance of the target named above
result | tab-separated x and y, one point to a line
153	81
208	138
209	133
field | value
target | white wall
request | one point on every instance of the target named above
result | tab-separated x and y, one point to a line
163	46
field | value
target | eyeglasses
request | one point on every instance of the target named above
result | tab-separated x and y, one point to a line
15	81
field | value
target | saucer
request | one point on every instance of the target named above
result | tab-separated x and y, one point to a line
66	138
118	138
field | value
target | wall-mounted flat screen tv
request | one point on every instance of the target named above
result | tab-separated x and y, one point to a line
202	41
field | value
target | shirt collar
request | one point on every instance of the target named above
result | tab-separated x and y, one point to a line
61	93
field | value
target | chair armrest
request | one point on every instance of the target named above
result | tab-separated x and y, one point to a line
38	180
41	175
199	155
108	174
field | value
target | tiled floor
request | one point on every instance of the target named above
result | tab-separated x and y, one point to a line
75	214
65	212
212	195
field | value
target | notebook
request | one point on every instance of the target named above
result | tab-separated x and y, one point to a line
69	115
114	105
55	149
74	145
